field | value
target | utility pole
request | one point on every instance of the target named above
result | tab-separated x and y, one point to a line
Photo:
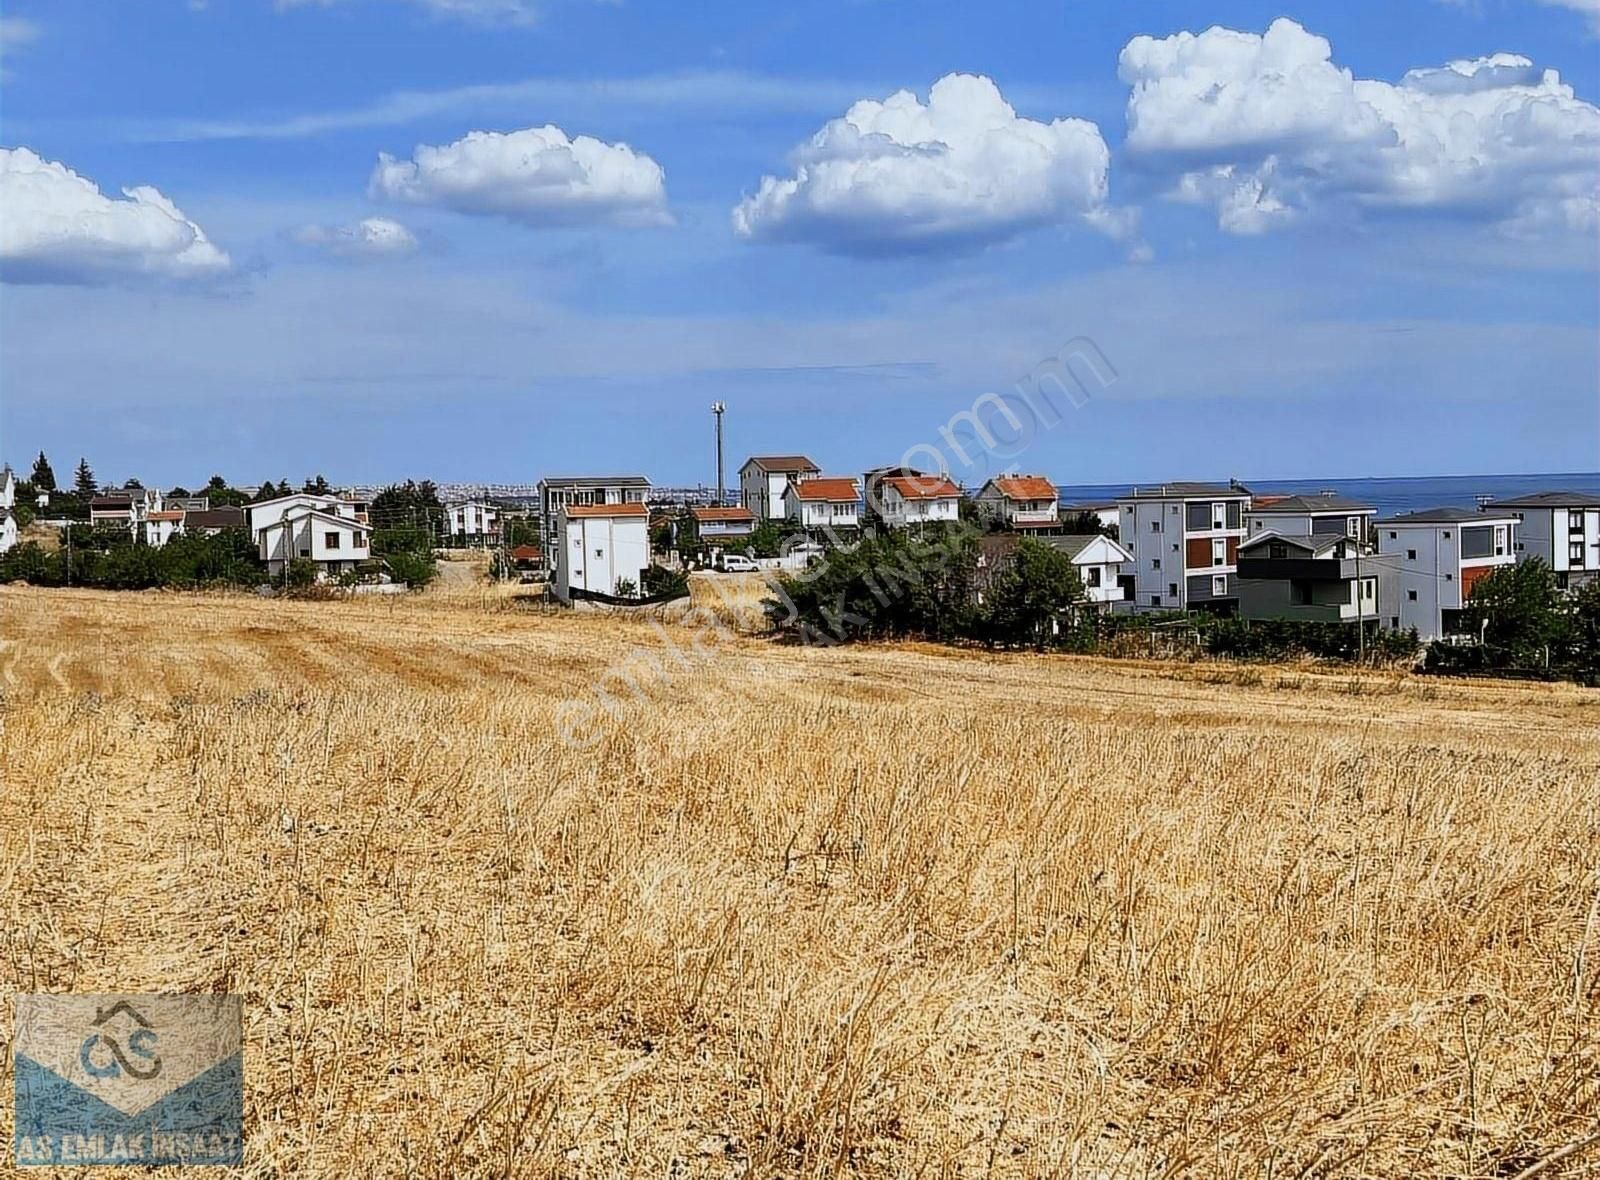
718	408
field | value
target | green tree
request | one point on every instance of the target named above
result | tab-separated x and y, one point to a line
317	486
766	539
626	589
83	481
44	477
1517	611
1584	634
414	568
179	490
302	573
1032	601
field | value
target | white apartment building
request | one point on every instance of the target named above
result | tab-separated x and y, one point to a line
562	491
1440	554
1184	541
601	545
764	483
1562	528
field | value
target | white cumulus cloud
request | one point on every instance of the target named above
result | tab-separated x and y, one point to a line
371	237
59	227
1267	130
900	175
537	175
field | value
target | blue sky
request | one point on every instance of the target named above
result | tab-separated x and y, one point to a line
1291	273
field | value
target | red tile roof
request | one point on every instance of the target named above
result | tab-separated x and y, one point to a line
604	510
526	553
713	513
827	487
928	488
1026	487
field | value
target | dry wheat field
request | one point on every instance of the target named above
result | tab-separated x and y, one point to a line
805	912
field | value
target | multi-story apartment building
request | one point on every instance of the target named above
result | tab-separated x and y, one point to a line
1562	528
1440	554
1184	538
562	491
1324	514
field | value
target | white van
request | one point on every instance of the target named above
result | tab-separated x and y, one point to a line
738	563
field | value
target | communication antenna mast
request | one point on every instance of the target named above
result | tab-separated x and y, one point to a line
718	408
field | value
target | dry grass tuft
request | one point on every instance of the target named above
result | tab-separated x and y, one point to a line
809	912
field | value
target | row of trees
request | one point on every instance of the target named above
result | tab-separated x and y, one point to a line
92	559
896	585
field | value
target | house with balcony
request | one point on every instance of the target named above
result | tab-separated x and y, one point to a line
1020	502
1317	578
125	507
1323	514
564	491
602	546
1184	540
1440	554
824	503
907	500
723	523
471	522
764	483
1560	528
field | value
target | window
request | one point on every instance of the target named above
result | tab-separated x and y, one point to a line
1219	551
1219	586
1499	540
1575	553
330	540
1155	563
1277	550
1093	578
1369	588
1155	600
1219	516
1411	555
1172	589
599	552
1352	526
1394	622
1411	595
1155	526
1394	536
1449	577
1447	534
1175	546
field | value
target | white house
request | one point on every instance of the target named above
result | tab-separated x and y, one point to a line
601	544
160	527
560	491
764	482
334	542
471	522
1021	502
1324	514
269	512
1441	554
1100	562
908	500
1562	528
1184	538
716	523
824	502
8	489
